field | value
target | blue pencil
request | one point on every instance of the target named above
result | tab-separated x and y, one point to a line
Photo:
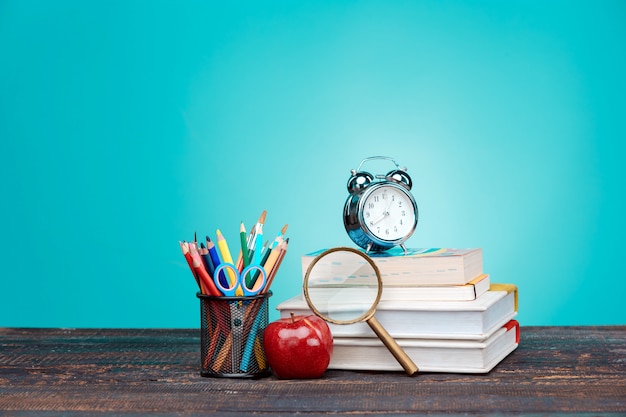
206	260
215	260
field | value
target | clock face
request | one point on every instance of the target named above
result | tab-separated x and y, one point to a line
388	212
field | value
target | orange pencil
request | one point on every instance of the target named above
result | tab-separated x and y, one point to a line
271	274
223	354
273	257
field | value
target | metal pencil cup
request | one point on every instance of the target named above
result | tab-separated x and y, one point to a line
231	336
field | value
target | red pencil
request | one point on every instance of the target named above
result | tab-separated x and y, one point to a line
184	246
204	276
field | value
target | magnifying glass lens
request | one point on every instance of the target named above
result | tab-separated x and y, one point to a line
342	286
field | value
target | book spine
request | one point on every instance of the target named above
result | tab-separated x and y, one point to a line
510	288
514	324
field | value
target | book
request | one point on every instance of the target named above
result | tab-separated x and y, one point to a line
427	319
467	292
437	355
421	267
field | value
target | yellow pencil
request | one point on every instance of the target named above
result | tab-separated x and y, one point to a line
226	256
260	355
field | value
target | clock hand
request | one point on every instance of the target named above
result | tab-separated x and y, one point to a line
385	213
382	216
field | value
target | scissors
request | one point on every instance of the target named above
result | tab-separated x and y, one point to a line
239	286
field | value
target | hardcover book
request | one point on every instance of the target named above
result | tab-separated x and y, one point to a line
467	292
422	267
427	319
437	355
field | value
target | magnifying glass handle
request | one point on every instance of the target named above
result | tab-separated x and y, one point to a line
407	363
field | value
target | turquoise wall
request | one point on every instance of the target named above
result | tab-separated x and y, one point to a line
126	126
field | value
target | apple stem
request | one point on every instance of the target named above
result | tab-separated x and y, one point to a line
292	317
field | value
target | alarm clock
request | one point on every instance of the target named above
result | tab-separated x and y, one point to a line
380	211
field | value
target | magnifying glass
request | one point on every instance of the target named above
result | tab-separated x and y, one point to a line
343	286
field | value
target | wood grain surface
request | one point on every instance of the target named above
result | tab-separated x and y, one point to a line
46	372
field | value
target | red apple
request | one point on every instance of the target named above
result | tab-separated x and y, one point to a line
298	347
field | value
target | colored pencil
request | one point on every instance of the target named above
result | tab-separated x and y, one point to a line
248	351
198	266
251	281
223	247
271	274
193	251
223	354
206	260
272	258
215	259
226	256
184	246
281	235
244	246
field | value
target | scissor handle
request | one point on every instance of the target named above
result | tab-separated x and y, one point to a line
240	279
229	290
257	280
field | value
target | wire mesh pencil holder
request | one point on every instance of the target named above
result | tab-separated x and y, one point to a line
231	337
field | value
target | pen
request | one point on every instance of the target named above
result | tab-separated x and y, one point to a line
258	245
255	230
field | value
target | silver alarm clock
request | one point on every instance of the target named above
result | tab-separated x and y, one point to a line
380	211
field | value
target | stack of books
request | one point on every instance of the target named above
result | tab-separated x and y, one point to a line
440	307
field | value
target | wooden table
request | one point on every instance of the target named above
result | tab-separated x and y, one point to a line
156	371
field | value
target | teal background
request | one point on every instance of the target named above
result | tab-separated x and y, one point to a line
126	126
